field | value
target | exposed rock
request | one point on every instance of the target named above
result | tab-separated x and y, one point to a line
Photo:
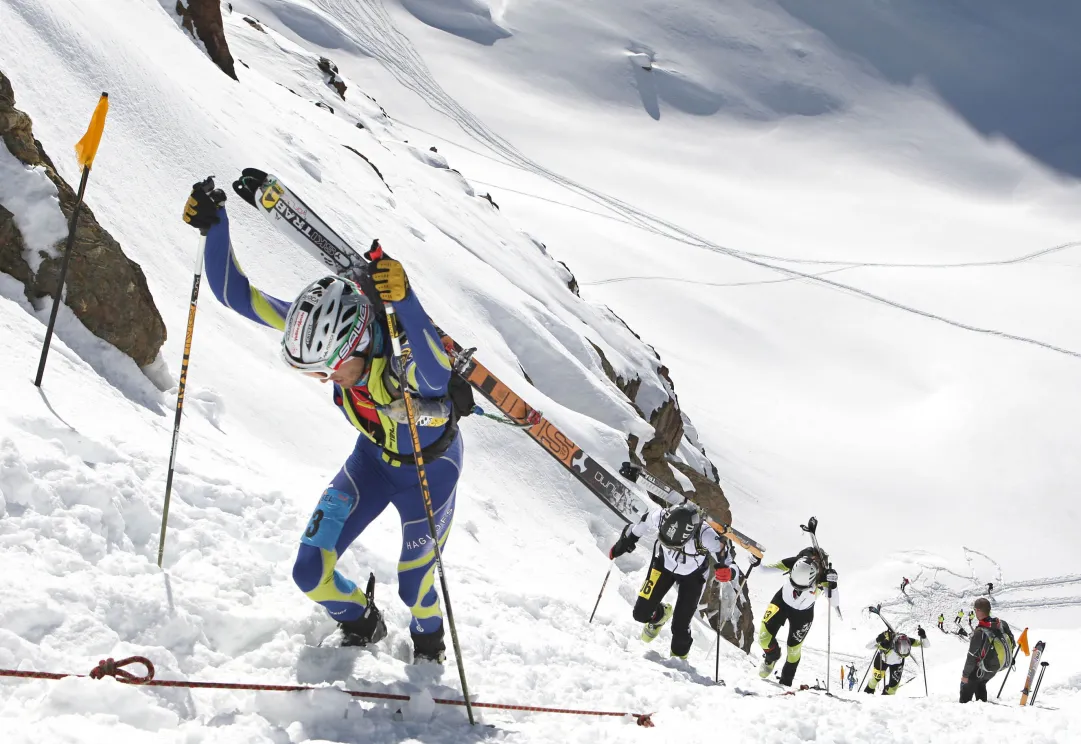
358	152
572	283
254	24
490	200
105	289
332	78
202	19
627	387
326	106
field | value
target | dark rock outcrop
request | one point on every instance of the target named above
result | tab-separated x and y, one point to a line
627	387
105	289
202	19
254	24
365	159
332	78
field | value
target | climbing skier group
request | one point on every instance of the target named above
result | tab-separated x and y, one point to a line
338	330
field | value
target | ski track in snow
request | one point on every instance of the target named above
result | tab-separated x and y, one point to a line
371	25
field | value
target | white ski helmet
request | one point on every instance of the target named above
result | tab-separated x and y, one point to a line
903	645
327	323
803	573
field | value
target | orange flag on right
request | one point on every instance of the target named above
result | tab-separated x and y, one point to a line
1023	642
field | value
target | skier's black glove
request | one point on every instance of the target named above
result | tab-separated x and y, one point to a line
921	632
625	544
247	186
201	208
831	578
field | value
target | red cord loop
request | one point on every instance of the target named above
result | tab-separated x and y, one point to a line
111	668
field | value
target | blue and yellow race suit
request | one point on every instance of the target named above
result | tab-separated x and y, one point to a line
378	472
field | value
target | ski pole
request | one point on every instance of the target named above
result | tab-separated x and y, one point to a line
1043	668
923	666
755	560
601	592
717	657
403	353
829	638
871	664
207	186
1013	661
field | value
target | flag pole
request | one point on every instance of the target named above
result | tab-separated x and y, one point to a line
85	149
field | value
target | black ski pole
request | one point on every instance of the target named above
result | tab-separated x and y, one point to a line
601	592
206	186
871	664
1013	661
923	666
717	620
404	353
1043	668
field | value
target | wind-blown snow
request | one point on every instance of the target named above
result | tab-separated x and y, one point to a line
731	205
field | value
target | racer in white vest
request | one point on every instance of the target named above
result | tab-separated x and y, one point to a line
685	547
806	576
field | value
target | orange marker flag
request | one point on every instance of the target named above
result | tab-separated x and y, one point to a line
87	147
1023	641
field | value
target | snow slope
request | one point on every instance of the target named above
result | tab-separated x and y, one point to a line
911	439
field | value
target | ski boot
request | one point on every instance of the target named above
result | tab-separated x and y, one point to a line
653	628
680	656
367	629
429	647
769	660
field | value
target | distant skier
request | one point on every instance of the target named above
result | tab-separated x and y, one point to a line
990	588
904	585
990	650
890	654
334	332
851	676
794	603
681	555
941	620
960	617
971	619
962	632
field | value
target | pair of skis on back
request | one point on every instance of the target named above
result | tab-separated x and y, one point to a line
296	220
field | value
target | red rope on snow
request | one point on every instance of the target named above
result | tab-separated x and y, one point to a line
112	668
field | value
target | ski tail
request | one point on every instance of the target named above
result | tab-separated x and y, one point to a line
1037	654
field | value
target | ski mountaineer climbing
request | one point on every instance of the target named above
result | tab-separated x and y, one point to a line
904	583
334	332
682	553
960	617
794	602
890	654
851	676
990	650
990	588
941	620
971	619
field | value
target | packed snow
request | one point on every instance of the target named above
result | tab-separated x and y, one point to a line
848	234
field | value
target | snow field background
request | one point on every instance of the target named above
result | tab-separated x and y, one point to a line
784	382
